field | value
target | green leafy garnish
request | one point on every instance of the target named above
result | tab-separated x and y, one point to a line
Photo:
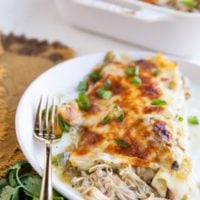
121	143
83	102
190	3
156	72
158	102
118	113
106	119
64	126
104	94
21	183
82	86
3	183
132	71
107	84
95	75
136	80
193	120
179	118
32	185
8	193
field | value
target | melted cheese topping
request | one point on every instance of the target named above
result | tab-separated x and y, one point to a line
148	129
153	135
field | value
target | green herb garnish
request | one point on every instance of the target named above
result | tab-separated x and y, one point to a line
132	71
83	102
136	71
95	75
121	143
107	84
106	119
82	86
129	71
190	3
104	94
136	80
156	72
64	126
193	120
107	95
179	118
118	113
49	114
21	182
100	92
158	102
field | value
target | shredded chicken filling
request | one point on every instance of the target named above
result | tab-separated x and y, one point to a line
102	182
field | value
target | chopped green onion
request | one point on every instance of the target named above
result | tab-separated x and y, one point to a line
107	84
44	112
136	80
107	95
118	113
179	118
158	102
136	71
193	120
106	119
129	71
156	72
190	3
132	71
82	86
95	75
110	56
104	94
121	143
100	92
83	102
64	126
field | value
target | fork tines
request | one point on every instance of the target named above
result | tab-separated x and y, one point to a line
46	120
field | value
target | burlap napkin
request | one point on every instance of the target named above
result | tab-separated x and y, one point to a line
21	60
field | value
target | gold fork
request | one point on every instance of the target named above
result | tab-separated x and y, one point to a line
46	129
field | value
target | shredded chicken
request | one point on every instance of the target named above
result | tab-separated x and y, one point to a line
102	182
70	113
135	183
152	197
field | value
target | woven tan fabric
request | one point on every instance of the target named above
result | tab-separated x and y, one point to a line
21	60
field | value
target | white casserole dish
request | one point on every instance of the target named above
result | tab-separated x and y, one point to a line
140	23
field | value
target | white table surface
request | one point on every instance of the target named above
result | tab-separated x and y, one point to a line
39	18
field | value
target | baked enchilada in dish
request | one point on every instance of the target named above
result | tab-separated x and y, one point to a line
181	5
128	132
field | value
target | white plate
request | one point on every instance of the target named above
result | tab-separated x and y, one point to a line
62	80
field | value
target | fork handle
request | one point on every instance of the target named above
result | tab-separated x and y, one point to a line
46	188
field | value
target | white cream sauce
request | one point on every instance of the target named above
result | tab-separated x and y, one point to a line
194	138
